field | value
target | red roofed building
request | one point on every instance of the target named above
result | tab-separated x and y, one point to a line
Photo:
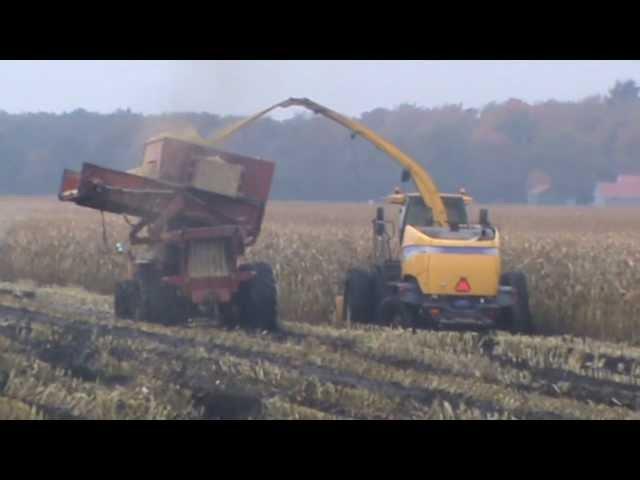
624	191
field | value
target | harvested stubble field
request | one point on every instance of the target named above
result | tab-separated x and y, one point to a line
63	355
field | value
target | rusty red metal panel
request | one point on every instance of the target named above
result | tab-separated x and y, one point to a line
95	174
256	182
120	192
151	160
202	233
168	202
234	233
69	185
137	195
178	160
218	289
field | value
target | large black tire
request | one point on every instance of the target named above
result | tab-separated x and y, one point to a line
395	314
125	299
160	303
390	271
517	317
258	299
359	297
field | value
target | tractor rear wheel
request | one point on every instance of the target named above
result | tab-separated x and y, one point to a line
358	297
125	298
258	299
517	317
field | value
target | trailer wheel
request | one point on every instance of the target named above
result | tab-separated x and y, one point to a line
358	297
151	305
125	297
258	299
517	317
159	303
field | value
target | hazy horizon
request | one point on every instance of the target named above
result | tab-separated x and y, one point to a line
243	87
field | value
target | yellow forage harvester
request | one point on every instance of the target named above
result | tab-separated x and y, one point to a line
435	268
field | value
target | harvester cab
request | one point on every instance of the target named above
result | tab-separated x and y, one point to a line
197	210
414	211
436	276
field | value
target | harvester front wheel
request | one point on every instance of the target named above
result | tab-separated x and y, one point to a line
517	317
258	299
358	297
125	298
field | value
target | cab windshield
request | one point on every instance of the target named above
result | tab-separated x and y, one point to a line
420	215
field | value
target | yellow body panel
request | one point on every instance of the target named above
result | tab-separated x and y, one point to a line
438	267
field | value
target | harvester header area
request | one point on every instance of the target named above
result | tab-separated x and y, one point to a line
200	208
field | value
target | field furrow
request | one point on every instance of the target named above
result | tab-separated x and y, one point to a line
340	373
64	355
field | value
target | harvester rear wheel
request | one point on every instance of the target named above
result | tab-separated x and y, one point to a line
396	314
517	317
358	297
125	298
258	299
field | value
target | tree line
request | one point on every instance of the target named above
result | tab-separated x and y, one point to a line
491	152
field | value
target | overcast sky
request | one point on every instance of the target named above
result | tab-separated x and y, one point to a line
244	87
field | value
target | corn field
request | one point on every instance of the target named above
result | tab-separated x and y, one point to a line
64	355
580	262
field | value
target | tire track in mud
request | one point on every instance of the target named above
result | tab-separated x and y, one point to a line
195	370
549	381
576	386
496	348
52	412
49	411
553	382
423	396
581	387
71	358
230	401
585	383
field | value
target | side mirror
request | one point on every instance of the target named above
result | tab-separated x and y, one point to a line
121	248
379	226
406	176
484	217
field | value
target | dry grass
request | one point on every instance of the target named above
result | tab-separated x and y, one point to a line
581	262
63	358
64	355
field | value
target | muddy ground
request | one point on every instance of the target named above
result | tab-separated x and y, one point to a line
64	355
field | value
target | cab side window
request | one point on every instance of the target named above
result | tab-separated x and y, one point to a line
456	211
415	213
